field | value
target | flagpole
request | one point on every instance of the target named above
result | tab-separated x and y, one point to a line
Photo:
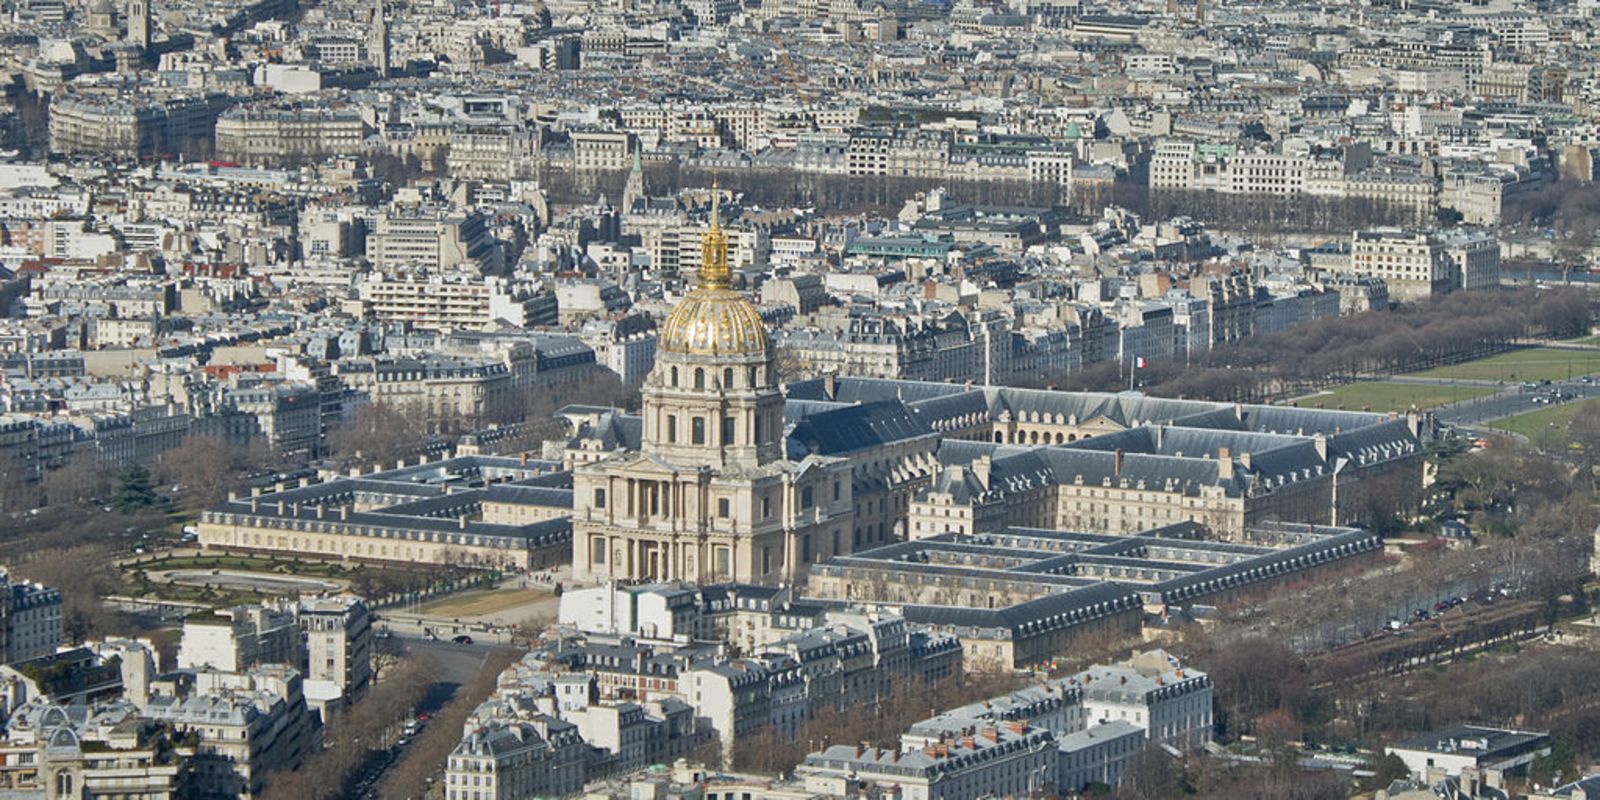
1133	368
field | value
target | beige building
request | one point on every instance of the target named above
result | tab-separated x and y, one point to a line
709	496
449	512
600	150
1417	265
275	136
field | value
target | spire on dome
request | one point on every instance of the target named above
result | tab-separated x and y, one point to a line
714	273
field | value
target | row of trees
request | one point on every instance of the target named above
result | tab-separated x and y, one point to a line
1332	351
430	749
1270	655
353	736
380	434
1266	215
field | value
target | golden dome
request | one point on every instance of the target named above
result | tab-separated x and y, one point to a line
714	320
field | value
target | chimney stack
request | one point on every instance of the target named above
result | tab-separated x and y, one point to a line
1116	462
981	467
1224	464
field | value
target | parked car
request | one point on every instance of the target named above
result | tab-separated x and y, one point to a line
462	639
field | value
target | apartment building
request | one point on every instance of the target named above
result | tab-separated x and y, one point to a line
432	240
1417	265
31	620
449	302
272	136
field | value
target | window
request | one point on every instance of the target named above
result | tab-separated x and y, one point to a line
724	562
727	378
674	377
599	498
727	430
766	507
672	430
766	560
724	508
597	550
806	500
699	378
835	491
805	549
697	431
835	540
752	377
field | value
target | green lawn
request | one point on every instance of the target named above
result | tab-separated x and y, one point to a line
1535	423
1590	340
1387	396
1531	364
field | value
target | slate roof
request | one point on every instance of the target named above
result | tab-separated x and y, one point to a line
851	428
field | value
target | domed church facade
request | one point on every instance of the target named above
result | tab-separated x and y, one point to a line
709	496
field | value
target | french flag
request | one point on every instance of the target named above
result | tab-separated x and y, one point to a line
1138	362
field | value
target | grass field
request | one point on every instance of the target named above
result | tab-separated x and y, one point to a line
1535	423
1532	364
1387	396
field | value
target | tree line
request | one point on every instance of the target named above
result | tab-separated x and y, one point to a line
1327	352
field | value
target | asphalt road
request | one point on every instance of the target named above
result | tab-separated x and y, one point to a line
1513	400
451	665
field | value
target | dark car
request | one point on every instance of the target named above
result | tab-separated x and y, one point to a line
462	639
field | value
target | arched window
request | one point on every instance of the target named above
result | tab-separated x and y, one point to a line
727	377
672	429
697	431
674	377
727	431
752	377
699	378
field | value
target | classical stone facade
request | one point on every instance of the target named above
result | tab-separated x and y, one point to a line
709	495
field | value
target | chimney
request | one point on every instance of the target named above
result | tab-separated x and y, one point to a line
1161	434
1320	442
463	520
523	459
1244	459
1116	462
255	504
344	512
967	742
255	491
861	749
280	507
1224	464
830	385
232	495
980	468
322	510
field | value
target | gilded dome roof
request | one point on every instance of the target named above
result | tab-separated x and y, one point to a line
714	322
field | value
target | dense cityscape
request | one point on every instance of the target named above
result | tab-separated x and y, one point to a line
745	400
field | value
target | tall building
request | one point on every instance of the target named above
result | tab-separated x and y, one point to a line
139	23
710	496
378	40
